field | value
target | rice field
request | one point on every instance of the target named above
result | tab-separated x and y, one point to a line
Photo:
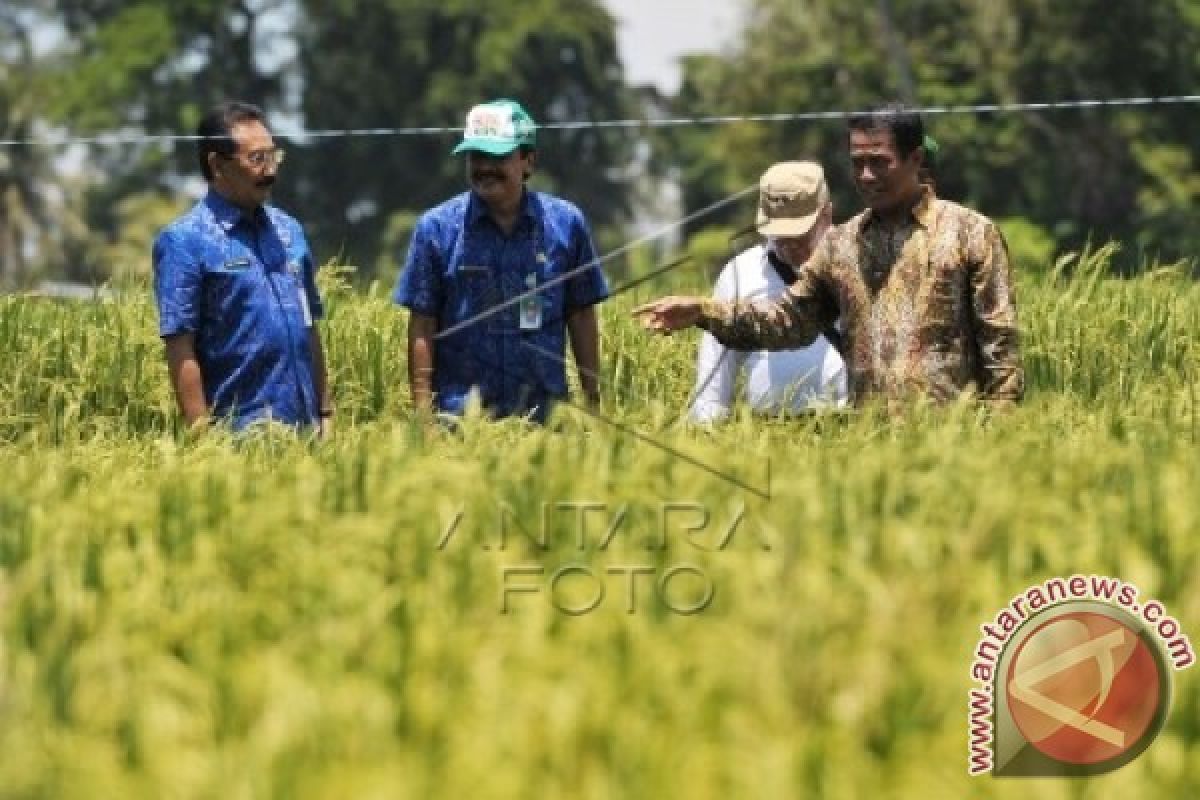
400	613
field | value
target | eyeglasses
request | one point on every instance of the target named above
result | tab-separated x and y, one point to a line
260	158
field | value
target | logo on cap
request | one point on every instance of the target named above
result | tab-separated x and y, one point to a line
497	128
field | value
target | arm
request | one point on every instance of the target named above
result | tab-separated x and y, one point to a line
584	333
419	289
184	371
178	293
421	332
320	369
792	321
994	310
583	292
321	384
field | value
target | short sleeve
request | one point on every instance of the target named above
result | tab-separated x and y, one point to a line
587	285
178	285
419	285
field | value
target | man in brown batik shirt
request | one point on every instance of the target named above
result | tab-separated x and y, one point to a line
922	286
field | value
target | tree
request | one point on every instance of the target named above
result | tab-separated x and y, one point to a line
25	210
1129	174
155	67
159	65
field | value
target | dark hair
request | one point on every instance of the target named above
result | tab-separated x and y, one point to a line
216	131
905	125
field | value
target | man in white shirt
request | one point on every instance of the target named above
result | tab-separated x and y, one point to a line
794	212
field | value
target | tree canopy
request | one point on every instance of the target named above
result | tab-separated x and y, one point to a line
156	66
89	66
1126	173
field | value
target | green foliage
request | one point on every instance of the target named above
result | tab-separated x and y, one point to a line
712	247
1081	175
26	214
155	66
271	616
118	53
425	63
159	66
394	243
1030	246
145	65
140	218
1102	173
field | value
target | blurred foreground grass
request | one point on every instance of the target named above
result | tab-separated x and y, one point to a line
274	617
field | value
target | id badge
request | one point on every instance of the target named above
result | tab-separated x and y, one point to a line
295	271
304	309
531	307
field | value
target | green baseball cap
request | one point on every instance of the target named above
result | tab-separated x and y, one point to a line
497	128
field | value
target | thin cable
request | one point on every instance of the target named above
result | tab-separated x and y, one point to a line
666	122
496	309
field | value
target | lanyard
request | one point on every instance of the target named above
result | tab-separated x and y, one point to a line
784	270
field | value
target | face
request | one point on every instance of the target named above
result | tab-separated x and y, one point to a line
499	180
884	179
246	177
797	250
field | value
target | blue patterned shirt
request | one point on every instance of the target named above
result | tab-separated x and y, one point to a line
246	287
460	264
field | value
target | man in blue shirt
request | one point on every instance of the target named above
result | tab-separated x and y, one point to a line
496	279
235	284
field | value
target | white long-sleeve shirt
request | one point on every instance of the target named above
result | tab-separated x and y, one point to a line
776	381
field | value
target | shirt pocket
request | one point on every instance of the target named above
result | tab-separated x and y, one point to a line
472	290
232	288
942	309
293	299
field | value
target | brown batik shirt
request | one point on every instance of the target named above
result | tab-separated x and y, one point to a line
927	307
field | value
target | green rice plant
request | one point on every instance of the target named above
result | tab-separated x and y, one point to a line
271	616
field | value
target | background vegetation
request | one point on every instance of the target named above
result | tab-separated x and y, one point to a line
1061	177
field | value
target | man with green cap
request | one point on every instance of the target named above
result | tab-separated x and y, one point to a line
496	280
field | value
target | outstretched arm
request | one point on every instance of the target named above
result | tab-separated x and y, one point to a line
792	321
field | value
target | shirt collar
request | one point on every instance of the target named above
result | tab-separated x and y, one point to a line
922	212
227	214
531	208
